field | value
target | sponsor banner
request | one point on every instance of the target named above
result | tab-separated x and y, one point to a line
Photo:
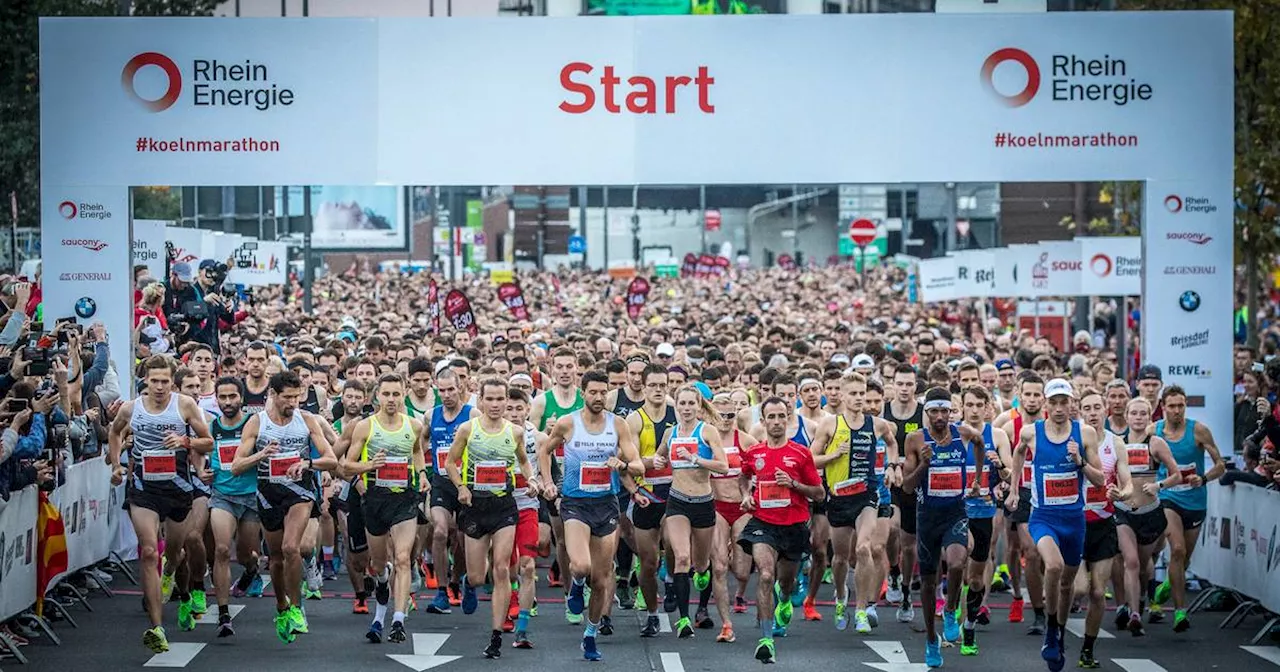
86	501
457	307
148	246
1006	270
1112	266
190	246
975	273
937	278
433	307
1238	547
88	264
258	264
18	551
224	247
511	296
1055	270
637	294
689	265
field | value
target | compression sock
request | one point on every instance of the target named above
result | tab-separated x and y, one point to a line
624	556
591	630
1039	611
522	621
1053	621
1088	645
682	593
973	603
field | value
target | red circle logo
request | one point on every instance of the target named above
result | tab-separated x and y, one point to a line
1173	203
1101	265
1025	60
170	70
67	209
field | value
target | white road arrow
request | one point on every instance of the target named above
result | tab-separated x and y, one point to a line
425	645
895	658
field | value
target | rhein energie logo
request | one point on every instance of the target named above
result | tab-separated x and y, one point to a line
1072	78
67	209
214	84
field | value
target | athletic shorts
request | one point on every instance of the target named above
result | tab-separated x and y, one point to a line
200	488
700	514
1065	528
599	514
791	542
544	516
1101	541
906	503
936	529
170	505
844	511
1191	518
423	506
444	494
273	513
1023	513
730	511
357	536
649	517
384	510
1148	526
526	545
818	508
981	529
487	514
244	508
551	509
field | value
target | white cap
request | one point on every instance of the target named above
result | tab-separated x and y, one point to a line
1057	387
864	361
840	358
442	365
665	350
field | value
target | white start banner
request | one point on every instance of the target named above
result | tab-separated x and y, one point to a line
1111	266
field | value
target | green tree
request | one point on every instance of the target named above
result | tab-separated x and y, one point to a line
157	203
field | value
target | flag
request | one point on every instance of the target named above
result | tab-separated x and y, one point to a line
51	550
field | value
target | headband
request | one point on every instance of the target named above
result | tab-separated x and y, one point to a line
937	403
523	377
638	357
807	382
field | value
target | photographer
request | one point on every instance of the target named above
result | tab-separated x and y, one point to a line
194	304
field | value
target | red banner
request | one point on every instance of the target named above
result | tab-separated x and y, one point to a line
433	307
637	294
706	266
457	307
511	296
721	265
690	265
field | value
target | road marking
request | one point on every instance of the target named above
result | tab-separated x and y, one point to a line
664	622
178	655
1075	626
671	662
211	617
1269	653
425	645
895	657
1138	664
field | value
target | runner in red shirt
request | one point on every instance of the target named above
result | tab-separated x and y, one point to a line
778	481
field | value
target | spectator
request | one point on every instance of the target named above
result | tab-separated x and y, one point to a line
151	304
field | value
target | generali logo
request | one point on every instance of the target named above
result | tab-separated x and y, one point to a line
87	243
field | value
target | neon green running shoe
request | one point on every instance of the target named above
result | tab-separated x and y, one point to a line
199	603
166	587
641	605
782	612
186	616
155	640
701	580
284	628
1162	594
765	652
297	620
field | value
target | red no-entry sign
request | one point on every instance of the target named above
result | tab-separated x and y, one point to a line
862	231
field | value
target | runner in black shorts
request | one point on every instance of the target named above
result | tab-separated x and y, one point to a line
905	412
438	437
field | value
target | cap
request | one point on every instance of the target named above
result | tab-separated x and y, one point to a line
1149	372
840	358
442	365
182	271
1058	387
207	263
1004	365
665	350
864	361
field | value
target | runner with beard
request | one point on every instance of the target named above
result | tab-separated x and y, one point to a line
727	557
444	422
233	508
907	415
622	402
348	502
1022	552
648	425
255	378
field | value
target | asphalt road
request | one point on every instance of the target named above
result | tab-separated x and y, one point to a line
109	638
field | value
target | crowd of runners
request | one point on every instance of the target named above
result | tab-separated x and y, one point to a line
810	431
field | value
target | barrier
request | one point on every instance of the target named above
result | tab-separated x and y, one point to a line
1237	550
90	513
18	552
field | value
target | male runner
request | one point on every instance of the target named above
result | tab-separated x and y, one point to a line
445	420
810	392
421	398
158	491
597	445
233	508
622	402
648	425
1064	454
1021	548
533	533
564	397
255	377
485	453
907	415
1184	504
273	442
186	577
200	360
348	501
985	470
777	483
873	403
386	457
844	447
1117	398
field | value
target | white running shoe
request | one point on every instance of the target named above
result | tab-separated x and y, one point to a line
906	613
872	617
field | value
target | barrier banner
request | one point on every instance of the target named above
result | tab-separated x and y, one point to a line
706	266
937	279
511	296
721	265
1237	547
457	307
148	246
637	294
690	265
18	552
433	307
85	502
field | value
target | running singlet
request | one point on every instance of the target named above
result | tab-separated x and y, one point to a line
552	410
488	459
1140	460
254	402
442	432
906	424
801	436
651	433
1025	478
1097	505
1190	460
733	457
586	472
294	439
398	474
624	405
853	473
943	484
1106	424
156	468
982	471
209	404
523	500
412	408
777	504
226	441
311	403
882	489
694	443
1057	482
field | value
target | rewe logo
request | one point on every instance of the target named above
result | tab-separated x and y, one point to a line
1020	57
171	71
67	209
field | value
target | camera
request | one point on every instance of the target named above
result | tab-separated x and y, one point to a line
217	272
37	360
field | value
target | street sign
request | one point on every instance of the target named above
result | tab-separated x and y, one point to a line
712	220
577	245
862	231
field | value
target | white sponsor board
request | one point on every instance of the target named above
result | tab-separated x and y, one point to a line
1111	266
148	246
225	246
975	273
1238	546
190	246
1055	270
18	551
937	279
258	264
90	512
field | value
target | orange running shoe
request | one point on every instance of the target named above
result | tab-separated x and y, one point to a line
359	607
508	625
429	576
513	610
726	634
553	578
811	611
1015	611
455	596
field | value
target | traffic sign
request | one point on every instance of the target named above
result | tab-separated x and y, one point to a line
862	231
577	245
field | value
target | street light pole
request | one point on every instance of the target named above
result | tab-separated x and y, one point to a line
702	214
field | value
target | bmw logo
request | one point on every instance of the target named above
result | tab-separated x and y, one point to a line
1189	301
87	307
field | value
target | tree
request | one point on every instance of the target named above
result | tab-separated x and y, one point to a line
157	203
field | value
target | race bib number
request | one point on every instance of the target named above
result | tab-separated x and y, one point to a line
879	459
734	457
848	488
1187	471
1095	497
595	477
1139	458
560	453
656	476
491	476
1061	489
344	491
278	467
945	482
978	476
521	481
442	458
1027	474
772	495
689	444
393	474
159	465
227	453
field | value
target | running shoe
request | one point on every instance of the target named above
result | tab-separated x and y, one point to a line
329	570
199	603
739	605
494	650
1000	581
969	642
1049	649
765	653
359	606
589	650
469	600
1162	594
861	625
284	629
701	580
242	584
984	615
186	617
455	595
684	629
1015	610
310	594
933	653
1087	661
783	611
522	641
606	625
1135	626
623	595
726	634
439	605
906	613
297	620
429	576
509	625
669	604
166	587
872	617
375	633
950	626
533	611
802	591
1155	613
572	618
894	594
702	620
576	602
1180	621
811	611
397	634
224	626
651	627
553	576
255	586
640	604
1122	616
155	639
1037	625
842	615
826	576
